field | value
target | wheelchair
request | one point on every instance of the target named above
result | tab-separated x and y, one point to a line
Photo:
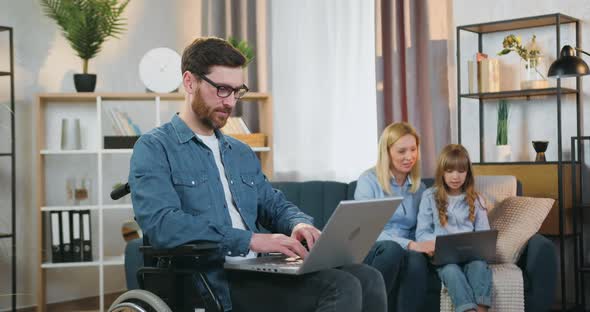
166	279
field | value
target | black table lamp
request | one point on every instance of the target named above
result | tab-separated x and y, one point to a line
568	64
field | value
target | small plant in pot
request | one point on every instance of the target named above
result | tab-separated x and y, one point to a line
503	150
86	24
246	50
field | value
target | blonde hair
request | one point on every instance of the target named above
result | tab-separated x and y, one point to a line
390	135
453	157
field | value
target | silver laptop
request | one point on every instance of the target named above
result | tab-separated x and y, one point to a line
465	247
346	239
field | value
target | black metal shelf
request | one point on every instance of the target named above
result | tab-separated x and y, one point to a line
519	23
527	163
579	206
513	94
12	234
558	93
538	163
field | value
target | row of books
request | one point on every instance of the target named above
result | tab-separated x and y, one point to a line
235	125
70	236
122	123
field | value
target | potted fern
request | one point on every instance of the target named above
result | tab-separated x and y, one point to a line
86	24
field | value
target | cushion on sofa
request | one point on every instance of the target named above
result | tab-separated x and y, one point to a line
495	189
517	219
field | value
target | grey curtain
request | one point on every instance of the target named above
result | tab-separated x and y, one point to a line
243	19
412	71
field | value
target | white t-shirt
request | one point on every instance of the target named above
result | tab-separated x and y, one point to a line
236	219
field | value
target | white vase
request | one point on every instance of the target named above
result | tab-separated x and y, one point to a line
503	153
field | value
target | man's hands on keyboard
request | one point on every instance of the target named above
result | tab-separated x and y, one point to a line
306	232
269	243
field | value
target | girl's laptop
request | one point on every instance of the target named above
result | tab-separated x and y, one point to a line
346	239
465	247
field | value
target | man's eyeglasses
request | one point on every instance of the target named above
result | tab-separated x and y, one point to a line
225	91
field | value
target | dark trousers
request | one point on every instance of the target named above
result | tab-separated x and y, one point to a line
405	273
354	287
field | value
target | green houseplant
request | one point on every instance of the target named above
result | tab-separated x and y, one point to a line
503	149
242	46
246	50
502	129
86	24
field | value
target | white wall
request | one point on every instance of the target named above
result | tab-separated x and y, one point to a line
529	120
44	62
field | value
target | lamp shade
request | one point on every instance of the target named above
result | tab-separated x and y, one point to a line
568	65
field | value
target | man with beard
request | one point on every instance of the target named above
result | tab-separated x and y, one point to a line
189	182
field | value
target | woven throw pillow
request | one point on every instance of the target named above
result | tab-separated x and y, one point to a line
517	218
494	189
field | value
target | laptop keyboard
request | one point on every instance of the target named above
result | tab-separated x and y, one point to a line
288	262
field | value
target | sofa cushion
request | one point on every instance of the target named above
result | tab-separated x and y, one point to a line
517	219
316	198
495	189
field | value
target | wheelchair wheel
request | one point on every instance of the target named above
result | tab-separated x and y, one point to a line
138	300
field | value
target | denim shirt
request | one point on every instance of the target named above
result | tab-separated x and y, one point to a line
401	226
429	226
178	196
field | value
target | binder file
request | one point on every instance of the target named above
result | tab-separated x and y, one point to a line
76	236
56	245
66	235
86	240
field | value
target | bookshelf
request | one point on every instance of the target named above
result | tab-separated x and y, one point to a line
104	167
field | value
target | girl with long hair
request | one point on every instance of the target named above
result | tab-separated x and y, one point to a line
453	206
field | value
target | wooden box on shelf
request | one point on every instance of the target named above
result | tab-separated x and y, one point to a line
252	139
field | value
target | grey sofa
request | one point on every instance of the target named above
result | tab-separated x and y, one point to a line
538	262
319	199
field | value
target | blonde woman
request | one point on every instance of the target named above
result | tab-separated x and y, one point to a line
396	254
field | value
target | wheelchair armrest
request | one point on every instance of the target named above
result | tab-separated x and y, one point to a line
179	260
191	249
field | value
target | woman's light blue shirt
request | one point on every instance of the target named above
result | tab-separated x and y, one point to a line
401	227
457	217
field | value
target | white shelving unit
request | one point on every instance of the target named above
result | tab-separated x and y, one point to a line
104	167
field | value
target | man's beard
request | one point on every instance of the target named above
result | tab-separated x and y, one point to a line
206	114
